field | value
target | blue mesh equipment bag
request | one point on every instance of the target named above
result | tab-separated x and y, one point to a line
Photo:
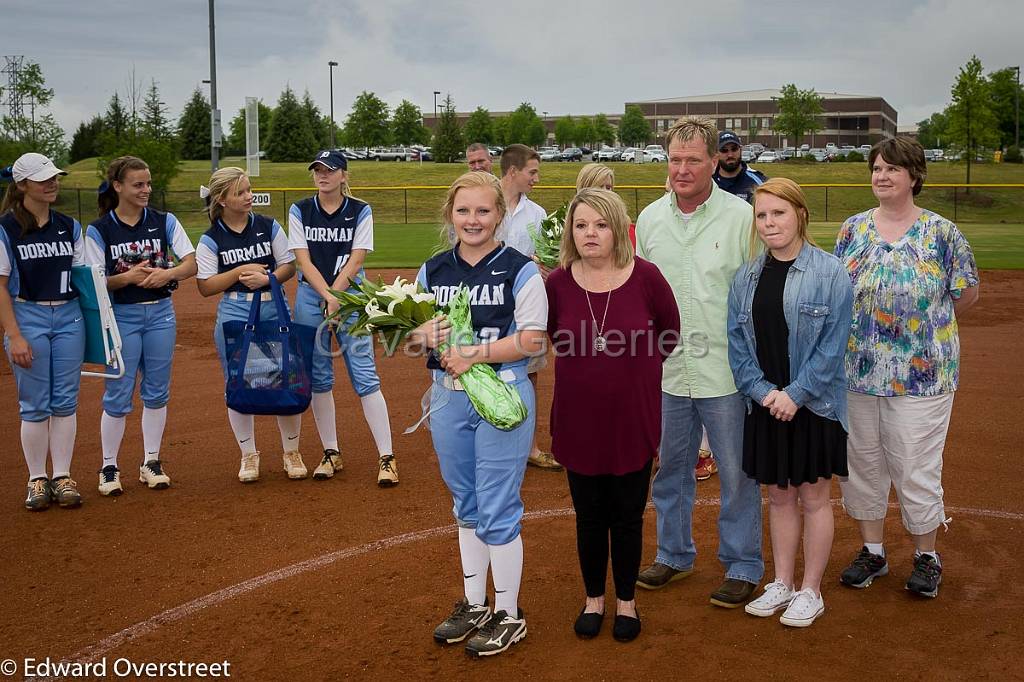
270	364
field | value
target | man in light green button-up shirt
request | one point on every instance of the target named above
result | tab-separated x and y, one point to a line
699	235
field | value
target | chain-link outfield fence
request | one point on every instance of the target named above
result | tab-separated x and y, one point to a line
978	203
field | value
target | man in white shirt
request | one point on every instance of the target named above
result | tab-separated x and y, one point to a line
520	171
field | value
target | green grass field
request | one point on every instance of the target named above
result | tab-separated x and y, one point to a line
996	246
407	219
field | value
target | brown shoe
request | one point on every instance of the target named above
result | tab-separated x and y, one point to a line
706	466
656	576
544	460
732	593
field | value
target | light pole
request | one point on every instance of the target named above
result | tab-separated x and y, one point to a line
545	126
214	114
330	68
1016	118
436	93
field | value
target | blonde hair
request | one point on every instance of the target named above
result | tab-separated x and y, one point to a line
346	190
468	180
790	192
694	128
594	175
223	182
609	206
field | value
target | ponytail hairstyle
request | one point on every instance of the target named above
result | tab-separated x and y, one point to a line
14	201
222	183
118	168
472	179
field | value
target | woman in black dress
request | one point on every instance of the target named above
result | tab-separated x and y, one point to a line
789	320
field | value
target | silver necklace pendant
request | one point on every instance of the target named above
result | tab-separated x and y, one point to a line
600	343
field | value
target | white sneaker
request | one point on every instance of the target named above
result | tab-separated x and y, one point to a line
250	470
804	609
329	465
110	481
294	466
777	596
152	474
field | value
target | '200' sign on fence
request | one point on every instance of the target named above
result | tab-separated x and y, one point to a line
261	198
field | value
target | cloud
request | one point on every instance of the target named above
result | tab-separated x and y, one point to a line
576	58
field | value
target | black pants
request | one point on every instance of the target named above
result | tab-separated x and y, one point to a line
608	505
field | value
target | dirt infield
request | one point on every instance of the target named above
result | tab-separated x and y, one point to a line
325	580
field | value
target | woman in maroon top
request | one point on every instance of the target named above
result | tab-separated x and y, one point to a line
613	320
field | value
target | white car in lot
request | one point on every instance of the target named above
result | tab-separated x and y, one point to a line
549	153
768	156
628	154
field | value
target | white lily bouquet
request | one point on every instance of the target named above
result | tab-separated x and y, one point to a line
547	237
393	310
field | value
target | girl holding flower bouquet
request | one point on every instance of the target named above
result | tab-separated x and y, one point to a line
133	243
483	466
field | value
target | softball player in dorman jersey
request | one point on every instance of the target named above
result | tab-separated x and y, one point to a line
235	257
483	466
134	243
330	235
44	334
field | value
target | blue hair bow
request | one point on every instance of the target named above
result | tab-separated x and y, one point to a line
7	174
104	186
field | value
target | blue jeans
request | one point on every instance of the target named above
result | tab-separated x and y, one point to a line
674	488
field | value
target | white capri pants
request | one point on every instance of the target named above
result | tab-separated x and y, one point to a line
897	441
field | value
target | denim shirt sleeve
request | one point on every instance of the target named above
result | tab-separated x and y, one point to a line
745	371
825	364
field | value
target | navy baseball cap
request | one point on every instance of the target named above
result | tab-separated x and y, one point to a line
330	158
728	137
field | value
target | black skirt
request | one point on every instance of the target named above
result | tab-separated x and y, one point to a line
804	450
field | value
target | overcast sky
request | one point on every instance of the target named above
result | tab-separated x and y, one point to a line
563	57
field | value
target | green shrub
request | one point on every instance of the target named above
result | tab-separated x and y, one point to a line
1013	155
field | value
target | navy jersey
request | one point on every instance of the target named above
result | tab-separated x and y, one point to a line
506	293
221	249
109	240
742	185
330	237
38	265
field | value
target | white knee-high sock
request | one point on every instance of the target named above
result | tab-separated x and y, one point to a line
242	425
507	572
153	423
476	556
376	412
35	443
289	426
111	434
62	443
326	423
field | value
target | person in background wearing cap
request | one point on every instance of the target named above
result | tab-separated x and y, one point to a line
44	334
330	234
733	175
478	157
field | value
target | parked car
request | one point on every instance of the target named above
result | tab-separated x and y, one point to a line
756	148
805	147
655	148
586	151
818	154
394	154
768	156
571	154
549	153
421	153
787	153
628	154
655	156
864	149
747	156
608	154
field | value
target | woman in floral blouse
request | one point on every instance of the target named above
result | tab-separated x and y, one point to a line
913	273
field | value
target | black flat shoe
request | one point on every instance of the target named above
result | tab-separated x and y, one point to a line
588	625
626	628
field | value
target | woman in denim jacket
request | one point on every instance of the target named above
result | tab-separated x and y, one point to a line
789	320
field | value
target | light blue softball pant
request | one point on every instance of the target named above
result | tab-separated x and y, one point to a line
148	332
482	466
356	350
57	337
